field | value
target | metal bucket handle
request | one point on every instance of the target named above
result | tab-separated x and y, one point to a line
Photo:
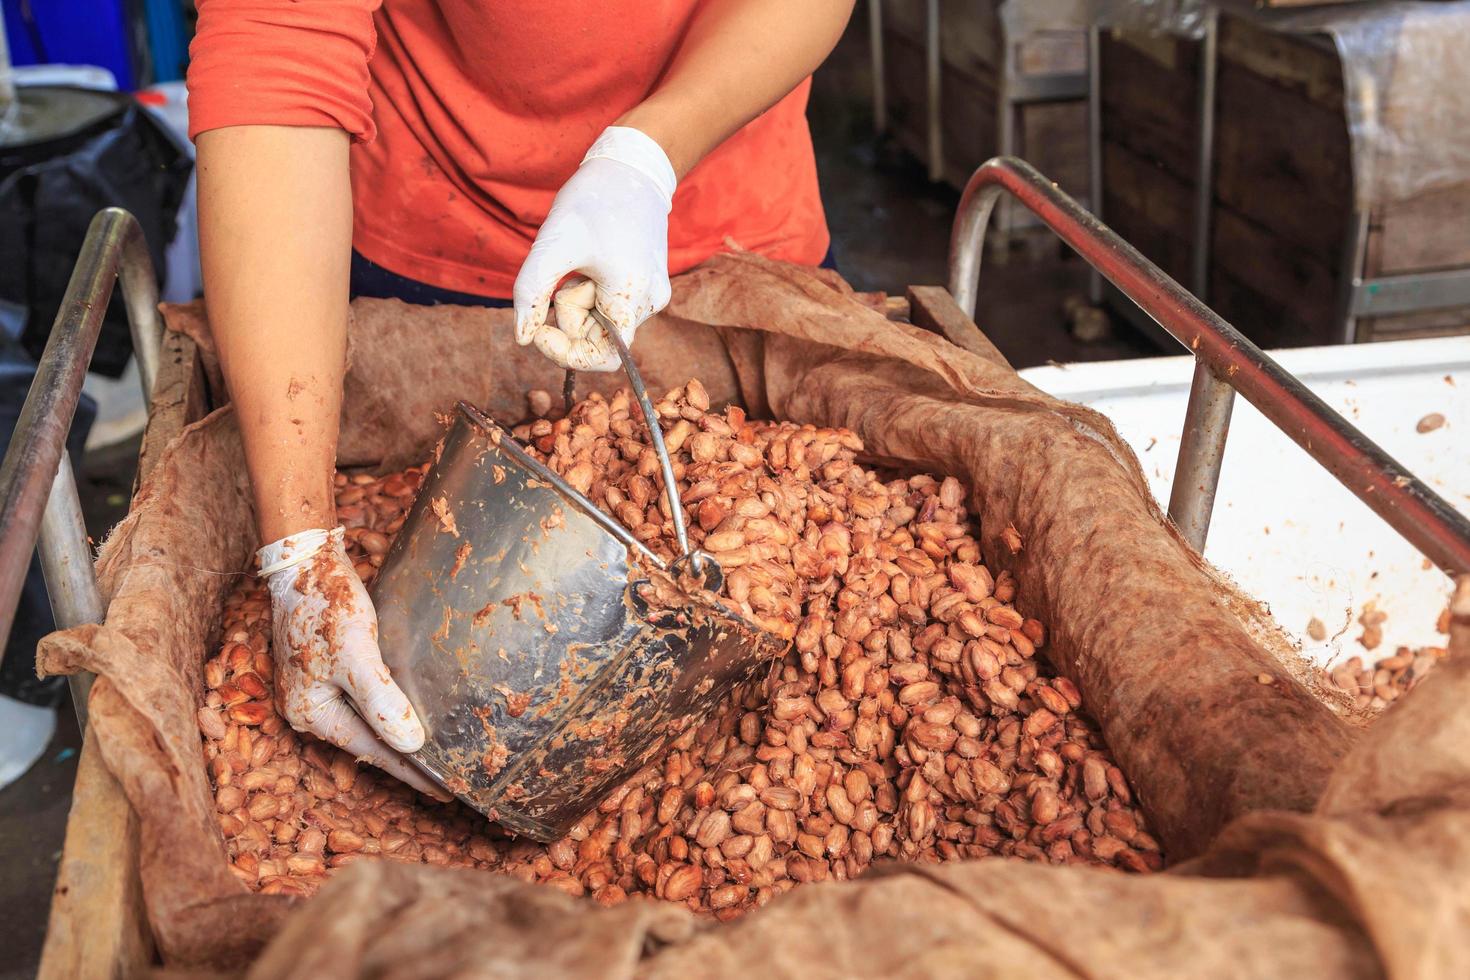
700	563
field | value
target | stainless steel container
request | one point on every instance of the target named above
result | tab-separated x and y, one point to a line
510	611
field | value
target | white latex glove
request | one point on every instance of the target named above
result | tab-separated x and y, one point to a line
325	638
609	222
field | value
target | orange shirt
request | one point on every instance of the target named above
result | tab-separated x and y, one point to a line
470	114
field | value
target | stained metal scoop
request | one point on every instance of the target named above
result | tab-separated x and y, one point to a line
512	612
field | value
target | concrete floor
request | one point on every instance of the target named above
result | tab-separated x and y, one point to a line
33	814
890	229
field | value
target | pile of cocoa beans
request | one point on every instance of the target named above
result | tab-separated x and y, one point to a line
910	720
1376	686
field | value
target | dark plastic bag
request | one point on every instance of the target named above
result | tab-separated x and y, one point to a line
80	151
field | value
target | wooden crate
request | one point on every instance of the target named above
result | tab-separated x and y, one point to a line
1052	135
98	925
1282	207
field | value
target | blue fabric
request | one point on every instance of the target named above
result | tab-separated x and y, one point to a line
372	280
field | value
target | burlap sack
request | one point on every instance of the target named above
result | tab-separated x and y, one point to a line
1167	655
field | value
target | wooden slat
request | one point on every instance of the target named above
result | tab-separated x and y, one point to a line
1306	65
1148	103
933	308
180	396
1422	233
1296	290
1149	207
1412	326
99	925
1283	162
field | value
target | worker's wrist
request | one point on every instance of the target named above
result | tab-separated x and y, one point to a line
277	521
662	123
294	549
636	149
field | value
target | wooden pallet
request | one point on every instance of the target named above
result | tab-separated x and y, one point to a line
99	926
1282	212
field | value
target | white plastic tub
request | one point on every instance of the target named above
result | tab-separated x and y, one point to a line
1289	533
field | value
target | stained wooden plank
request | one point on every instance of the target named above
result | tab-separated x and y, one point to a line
1148	100
933	308
180	396
1410	326
1302	284
1427	232
98	926
1149	207
1283	162
1306	65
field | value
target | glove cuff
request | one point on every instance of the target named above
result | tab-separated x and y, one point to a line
296	548
635	148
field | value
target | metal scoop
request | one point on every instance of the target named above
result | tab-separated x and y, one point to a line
512	612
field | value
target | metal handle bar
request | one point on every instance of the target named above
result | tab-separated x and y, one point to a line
38	493
696	559
1226	362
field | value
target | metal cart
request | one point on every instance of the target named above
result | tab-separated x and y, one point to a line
97	922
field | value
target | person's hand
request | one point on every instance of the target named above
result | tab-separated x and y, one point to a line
325	638
609	222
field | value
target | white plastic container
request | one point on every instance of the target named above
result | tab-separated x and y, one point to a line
1283	528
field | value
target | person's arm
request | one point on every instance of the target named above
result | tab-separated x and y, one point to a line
275	242
276	92
609	222
738	58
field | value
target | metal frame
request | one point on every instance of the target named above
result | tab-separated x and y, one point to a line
39	507
933	73
1094	146
1016	91
1204	159
880	81
1226	363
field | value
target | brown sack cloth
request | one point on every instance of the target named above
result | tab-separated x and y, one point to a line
1165	653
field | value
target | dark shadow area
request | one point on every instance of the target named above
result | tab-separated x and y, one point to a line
890	228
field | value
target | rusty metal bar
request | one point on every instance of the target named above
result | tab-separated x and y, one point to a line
1201	453
1391	491
35	467
877	61
933	72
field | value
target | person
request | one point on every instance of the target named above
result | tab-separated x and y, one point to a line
470	151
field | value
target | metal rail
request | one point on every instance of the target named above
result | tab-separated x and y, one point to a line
1226	363
38	493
